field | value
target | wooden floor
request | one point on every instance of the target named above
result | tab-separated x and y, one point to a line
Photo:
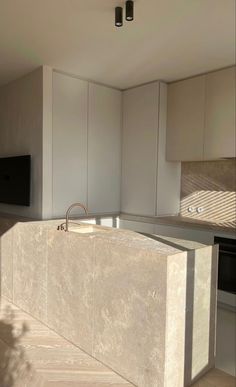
31	355
216	378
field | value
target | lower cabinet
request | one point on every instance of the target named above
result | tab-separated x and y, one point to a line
201	236
137	226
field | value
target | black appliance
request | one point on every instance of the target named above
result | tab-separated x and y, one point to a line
15	180
227	264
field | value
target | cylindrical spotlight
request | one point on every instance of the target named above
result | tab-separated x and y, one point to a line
129	10
119	17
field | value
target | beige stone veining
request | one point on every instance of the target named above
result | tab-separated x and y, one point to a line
41	358
32	355
120	296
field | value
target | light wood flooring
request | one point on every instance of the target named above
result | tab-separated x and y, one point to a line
31	355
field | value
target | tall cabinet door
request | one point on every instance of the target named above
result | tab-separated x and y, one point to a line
220	114
185	119
104	149
70	98
139	156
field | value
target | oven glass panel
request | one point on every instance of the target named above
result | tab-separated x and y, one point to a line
227	264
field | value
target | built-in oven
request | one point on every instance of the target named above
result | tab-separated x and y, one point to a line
227	271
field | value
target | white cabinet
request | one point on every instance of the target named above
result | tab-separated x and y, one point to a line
86	146
139	156
104	149
185	122
220	114
201	117
150	185
69	159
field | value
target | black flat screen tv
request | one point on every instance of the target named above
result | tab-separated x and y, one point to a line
15	180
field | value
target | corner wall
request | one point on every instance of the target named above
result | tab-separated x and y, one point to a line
21	121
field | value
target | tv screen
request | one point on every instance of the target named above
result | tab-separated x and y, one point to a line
15	180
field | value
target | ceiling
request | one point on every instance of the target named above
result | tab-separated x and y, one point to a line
169	39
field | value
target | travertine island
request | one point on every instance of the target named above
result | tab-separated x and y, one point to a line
143	305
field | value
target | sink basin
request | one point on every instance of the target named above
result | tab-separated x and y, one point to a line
87	229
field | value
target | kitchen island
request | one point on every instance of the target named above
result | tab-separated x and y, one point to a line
144	305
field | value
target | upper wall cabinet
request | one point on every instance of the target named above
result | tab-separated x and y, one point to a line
201	117
220	114
104	149
185	119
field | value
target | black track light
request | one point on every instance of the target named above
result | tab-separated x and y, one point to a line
119	17
129	10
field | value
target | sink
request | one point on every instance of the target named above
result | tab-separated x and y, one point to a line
87	229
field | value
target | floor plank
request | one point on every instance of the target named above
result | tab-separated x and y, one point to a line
32	355
29	347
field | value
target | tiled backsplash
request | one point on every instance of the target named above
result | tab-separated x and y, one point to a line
210	187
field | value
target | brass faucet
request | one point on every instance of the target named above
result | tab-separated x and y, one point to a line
66	224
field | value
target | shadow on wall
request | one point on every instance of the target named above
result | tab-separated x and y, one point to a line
212	186
13	362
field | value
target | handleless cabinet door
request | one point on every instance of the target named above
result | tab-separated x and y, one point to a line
70	98
139	156
104	149
185	120
220	114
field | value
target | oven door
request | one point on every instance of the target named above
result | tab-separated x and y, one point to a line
227	271
227	264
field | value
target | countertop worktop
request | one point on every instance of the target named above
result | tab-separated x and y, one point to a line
178	220
160	244
168	220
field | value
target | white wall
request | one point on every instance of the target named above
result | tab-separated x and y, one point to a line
21	107
47	178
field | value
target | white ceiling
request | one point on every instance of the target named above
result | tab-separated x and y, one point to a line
169	39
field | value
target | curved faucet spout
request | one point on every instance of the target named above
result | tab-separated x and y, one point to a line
69	210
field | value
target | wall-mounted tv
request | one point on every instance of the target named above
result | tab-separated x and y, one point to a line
15	180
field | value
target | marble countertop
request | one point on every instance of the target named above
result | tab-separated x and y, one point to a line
169	220
177	220
161	245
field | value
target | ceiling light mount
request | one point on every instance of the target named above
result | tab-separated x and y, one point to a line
129	5
129	13
118	16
